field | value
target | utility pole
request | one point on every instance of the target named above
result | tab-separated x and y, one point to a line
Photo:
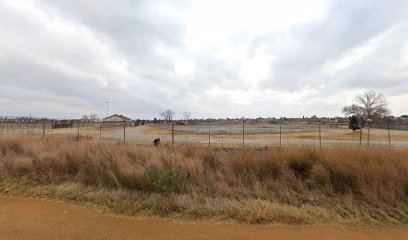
107	109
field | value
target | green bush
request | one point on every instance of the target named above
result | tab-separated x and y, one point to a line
166	181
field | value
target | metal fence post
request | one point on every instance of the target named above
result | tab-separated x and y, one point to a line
124	131
368	135
243	136
100	131
280	134
361	135
78	131
389	135
209	133
172	133
320	135
43	125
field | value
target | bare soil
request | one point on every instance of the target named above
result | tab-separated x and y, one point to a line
26	218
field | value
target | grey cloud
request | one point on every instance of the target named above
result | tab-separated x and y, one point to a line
39	65
306	48
134	27
33	58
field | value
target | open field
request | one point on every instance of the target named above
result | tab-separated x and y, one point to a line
260	135
290	185
25	218
289	131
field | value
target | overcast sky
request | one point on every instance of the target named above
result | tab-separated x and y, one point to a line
214	58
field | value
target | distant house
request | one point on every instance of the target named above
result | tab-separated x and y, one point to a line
117	120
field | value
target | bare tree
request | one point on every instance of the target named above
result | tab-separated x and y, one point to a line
370	105
84	118
93	117
89	118
168	115
187	116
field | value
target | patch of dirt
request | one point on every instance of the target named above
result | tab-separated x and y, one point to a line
26	218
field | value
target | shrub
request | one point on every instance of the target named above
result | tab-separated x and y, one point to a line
165	181
103	173
301	162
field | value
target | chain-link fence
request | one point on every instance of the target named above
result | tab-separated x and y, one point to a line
215	134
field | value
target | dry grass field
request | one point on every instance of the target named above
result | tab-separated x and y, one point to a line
269	134
290	185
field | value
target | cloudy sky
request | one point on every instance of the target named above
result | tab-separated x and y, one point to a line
214	58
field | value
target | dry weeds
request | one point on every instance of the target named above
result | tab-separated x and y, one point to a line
294	185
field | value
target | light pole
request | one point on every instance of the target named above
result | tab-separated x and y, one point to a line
107	109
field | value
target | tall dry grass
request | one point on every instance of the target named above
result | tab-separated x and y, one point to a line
291	185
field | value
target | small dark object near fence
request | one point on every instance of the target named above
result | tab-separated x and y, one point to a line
156	141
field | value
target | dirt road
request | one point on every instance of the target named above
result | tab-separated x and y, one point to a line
25	218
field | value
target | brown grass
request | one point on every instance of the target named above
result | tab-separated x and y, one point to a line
296	185
312	133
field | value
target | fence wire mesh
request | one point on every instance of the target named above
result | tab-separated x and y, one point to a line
216	134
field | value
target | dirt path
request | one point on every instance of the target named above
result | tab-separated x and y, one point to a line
25	218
